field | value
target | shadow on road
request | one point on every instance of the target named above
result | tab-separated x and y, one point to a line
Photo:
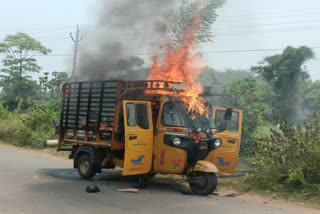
114	177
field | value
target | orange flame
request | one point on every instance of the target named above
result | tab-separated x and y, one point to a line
182	64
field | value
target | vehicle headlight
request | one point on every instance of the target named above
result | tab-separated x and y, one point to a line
176	141
198	130
217	143
208	131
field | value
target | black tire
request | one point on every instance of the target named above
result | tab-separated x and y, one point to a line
85	168
207	183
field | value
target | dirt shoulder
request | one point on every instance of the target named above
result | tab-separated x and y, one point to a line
274	202
236	184
223	191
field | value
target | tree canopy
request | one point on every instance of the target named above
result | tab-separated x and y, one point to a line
20	50
191	9
285	72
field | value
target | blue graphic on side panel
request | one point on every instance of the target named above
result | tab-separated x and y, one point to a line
137	161
222	163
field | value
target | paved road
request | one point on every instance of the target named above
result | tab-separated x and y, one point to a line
30	183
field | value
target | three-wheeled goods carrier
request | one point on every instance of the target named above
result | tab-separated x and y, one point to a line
142	127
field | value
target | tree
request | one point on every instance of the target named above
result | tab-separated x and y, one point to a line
58	78
9	92
311	96
285	72
208	77
190	10
250	99
20	50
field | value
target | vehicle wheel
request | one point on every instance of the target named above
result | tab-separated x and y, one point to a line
203	183
85	168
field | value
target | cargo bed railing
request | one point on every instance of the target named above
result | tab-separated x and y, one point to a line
86	106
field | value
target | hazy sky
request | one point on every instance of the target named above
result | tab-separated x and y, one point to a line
243	29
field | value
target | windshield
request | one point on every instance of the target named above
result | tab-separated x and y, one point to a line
175	114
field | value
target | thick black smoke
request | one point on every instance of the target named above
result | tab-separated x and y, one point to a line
125	32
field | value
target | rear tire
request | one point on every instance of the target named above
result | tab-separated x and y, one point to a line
205	185
85	168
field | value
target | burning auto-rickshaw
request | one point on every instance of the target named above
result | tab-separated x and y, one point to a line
142	127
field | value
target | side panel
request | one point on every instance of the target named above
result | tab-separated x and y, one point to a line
167	159
138	137
226	157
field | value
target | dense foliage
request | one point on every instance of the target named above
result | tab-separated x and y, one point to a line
30	129
290	158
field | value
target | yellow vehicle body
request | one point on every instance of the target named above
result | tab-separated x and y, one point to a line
170	160
138	144
144	134
226	156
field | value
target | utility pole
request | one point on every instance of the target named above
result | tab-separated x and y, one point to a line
76	42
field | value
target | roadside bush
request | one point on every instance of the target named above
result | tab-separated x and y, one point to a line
4	113
289	159
31	129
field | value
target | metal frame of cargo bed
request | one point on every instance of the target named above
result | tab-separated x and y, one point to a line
97	102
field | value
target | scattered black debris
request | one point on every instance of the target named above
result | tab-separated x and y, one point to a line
141	183
92	189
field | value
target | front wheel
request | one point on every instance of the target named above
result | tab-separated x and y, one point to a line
203	183
85	168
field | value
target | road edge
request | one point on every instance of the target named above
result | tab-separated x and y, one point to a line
34	152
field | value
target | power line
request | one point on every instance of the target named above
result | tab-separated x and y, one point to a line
47	31
274	12
249	50
290	29
201	52
272	17
34	29
54	38
264	25
279	30
217	34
